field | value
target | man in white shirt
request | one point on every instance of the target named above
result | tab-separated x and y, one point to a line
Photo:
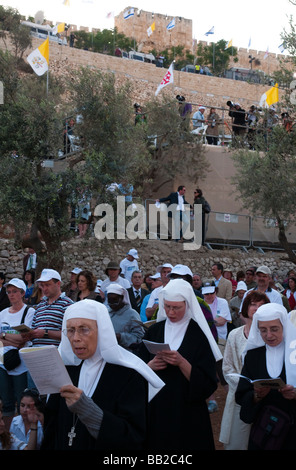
129	264
162	272
263	277
113	271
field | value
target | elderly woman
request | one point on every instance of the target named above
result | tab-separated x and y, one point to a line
125	320
268	356
106	407
13	376
178	418
234	432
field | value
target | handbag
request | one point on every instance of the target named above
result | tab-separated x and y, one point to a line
207	207
271	428
11	359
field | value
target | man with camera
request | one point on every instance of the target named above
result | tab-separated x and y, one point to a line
238	116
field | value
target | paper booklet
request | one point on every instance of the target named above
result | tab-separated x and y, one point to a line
272	383
46	368
154	348
22	328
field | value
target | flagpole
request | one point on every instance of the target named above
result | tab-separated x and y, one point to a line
47	76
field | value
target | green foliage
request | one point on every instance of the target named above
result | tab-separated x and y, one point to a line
215	56
105	41
265	179
19	35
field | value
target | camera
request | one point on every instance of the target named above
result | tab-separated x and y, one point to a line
230	104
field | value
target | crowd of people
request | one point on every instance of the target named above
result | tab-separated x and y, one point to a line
243	125
146	353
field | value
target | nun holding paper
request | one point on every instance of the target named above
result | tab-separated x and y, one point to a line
106	407
270	354
178	418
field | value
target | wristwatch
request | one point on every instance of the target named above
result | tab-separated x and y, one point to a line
46	333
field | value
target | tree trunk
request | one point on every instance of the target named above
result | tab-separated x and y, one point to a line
284	242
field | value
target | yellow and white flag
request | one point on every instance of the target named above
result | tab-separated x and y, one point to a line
229	44
270	97
39	58
58	28
151	29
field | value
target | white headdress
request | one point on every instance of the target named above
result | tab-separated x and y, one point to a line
108	349
180	290
277	355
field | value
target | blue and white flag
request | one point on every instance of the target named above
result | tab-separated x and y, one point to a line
171	25
128	13
211	31
281	48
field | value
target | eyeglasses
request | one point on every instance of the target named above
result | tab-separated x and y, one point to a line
82	331
173	308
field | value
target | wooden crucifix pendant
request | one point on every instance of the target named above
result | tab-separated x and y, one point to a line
71	435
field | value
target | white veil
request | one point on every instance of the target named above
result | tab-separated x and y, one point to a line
108	349
179	290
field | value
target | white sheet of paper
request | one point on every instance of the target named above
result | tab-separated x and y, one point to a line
154	348
46	368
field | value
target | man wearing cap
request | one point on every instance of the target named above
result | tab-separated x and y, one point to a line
48	318
198	118
136	292
125	319
163	270
156	282
113	272
263	277
224	285
71	288
129	264
250	278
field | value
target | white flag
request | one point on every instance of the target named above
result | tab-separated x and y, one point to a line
167	79
39	58
211	31
282	48
266	53
128	13
171	25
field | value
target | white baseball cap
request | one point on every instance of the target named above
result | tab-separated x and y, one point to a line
165	265
76	271
17	283
180	269
155	276
48	274
133	252
241	285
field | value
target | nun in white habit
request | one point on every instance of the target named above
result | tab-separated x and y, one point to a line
178	417
269	354
106	406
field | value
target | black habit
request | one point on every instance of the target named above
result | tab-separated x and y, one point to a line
255	368
178	417
122	395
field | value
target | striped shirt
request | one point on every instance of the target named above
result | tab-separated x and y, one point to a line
50	316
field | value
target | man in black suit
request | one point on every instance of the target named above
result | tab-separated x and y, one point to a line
178	200
135	292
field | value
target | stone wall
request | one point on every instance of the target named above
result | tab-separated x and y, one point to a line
90	253
198	89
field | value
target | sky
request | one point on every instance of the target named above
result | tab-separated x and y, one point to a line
261	21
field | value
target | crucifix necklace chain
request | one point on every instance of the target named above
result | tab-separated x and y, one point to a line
72	433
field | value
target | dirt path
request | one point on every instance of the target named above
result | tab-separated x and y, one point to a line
216	417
